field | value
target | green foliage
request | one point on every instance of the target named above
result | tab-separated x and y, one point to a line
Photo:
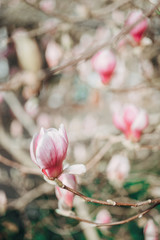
137	189
135	231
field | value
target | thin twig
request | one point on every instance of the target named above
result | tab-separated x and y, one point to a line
139	215
108	202
30	196
18	110
18	166
11	147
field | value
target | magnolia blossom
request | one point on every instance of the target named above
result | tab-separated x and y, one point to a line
103	216
150	231
131	121
137	31
118	169
104	62
48	149
65	197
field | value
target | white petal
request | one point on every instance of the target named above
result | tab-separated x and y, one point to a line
49	181
75	169
64	213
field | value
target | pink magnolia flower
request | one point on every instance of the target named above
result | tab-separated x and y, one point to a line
48	150
104	62
65	197
118	169
131	121
150	231
103	216
138	31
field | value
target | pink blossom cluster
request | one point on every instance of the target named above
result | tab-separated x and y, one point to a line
131	121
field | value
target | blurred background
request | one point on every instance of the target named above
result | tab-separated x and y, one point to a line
47	78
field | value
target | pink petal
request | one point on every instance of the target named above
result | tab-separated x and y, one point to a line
130	114
46	152
141	121
119	121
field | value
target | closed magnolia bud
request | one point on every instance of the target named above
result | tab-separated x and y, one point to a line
44	120
48	149
150	231
104	62
65	197
53	54
27	50
16	128
118	169
32	106
137	31
131	121
103	216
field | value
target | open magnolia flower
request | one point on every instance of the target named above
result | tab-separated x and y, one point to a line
48	150
65	198
131	121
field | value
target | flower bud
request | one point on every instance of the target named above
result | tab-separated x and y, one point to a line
47	6
103	216
118	169
131	121
53	54
137	31
65	197
150	231
104	62
27	50
48	150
